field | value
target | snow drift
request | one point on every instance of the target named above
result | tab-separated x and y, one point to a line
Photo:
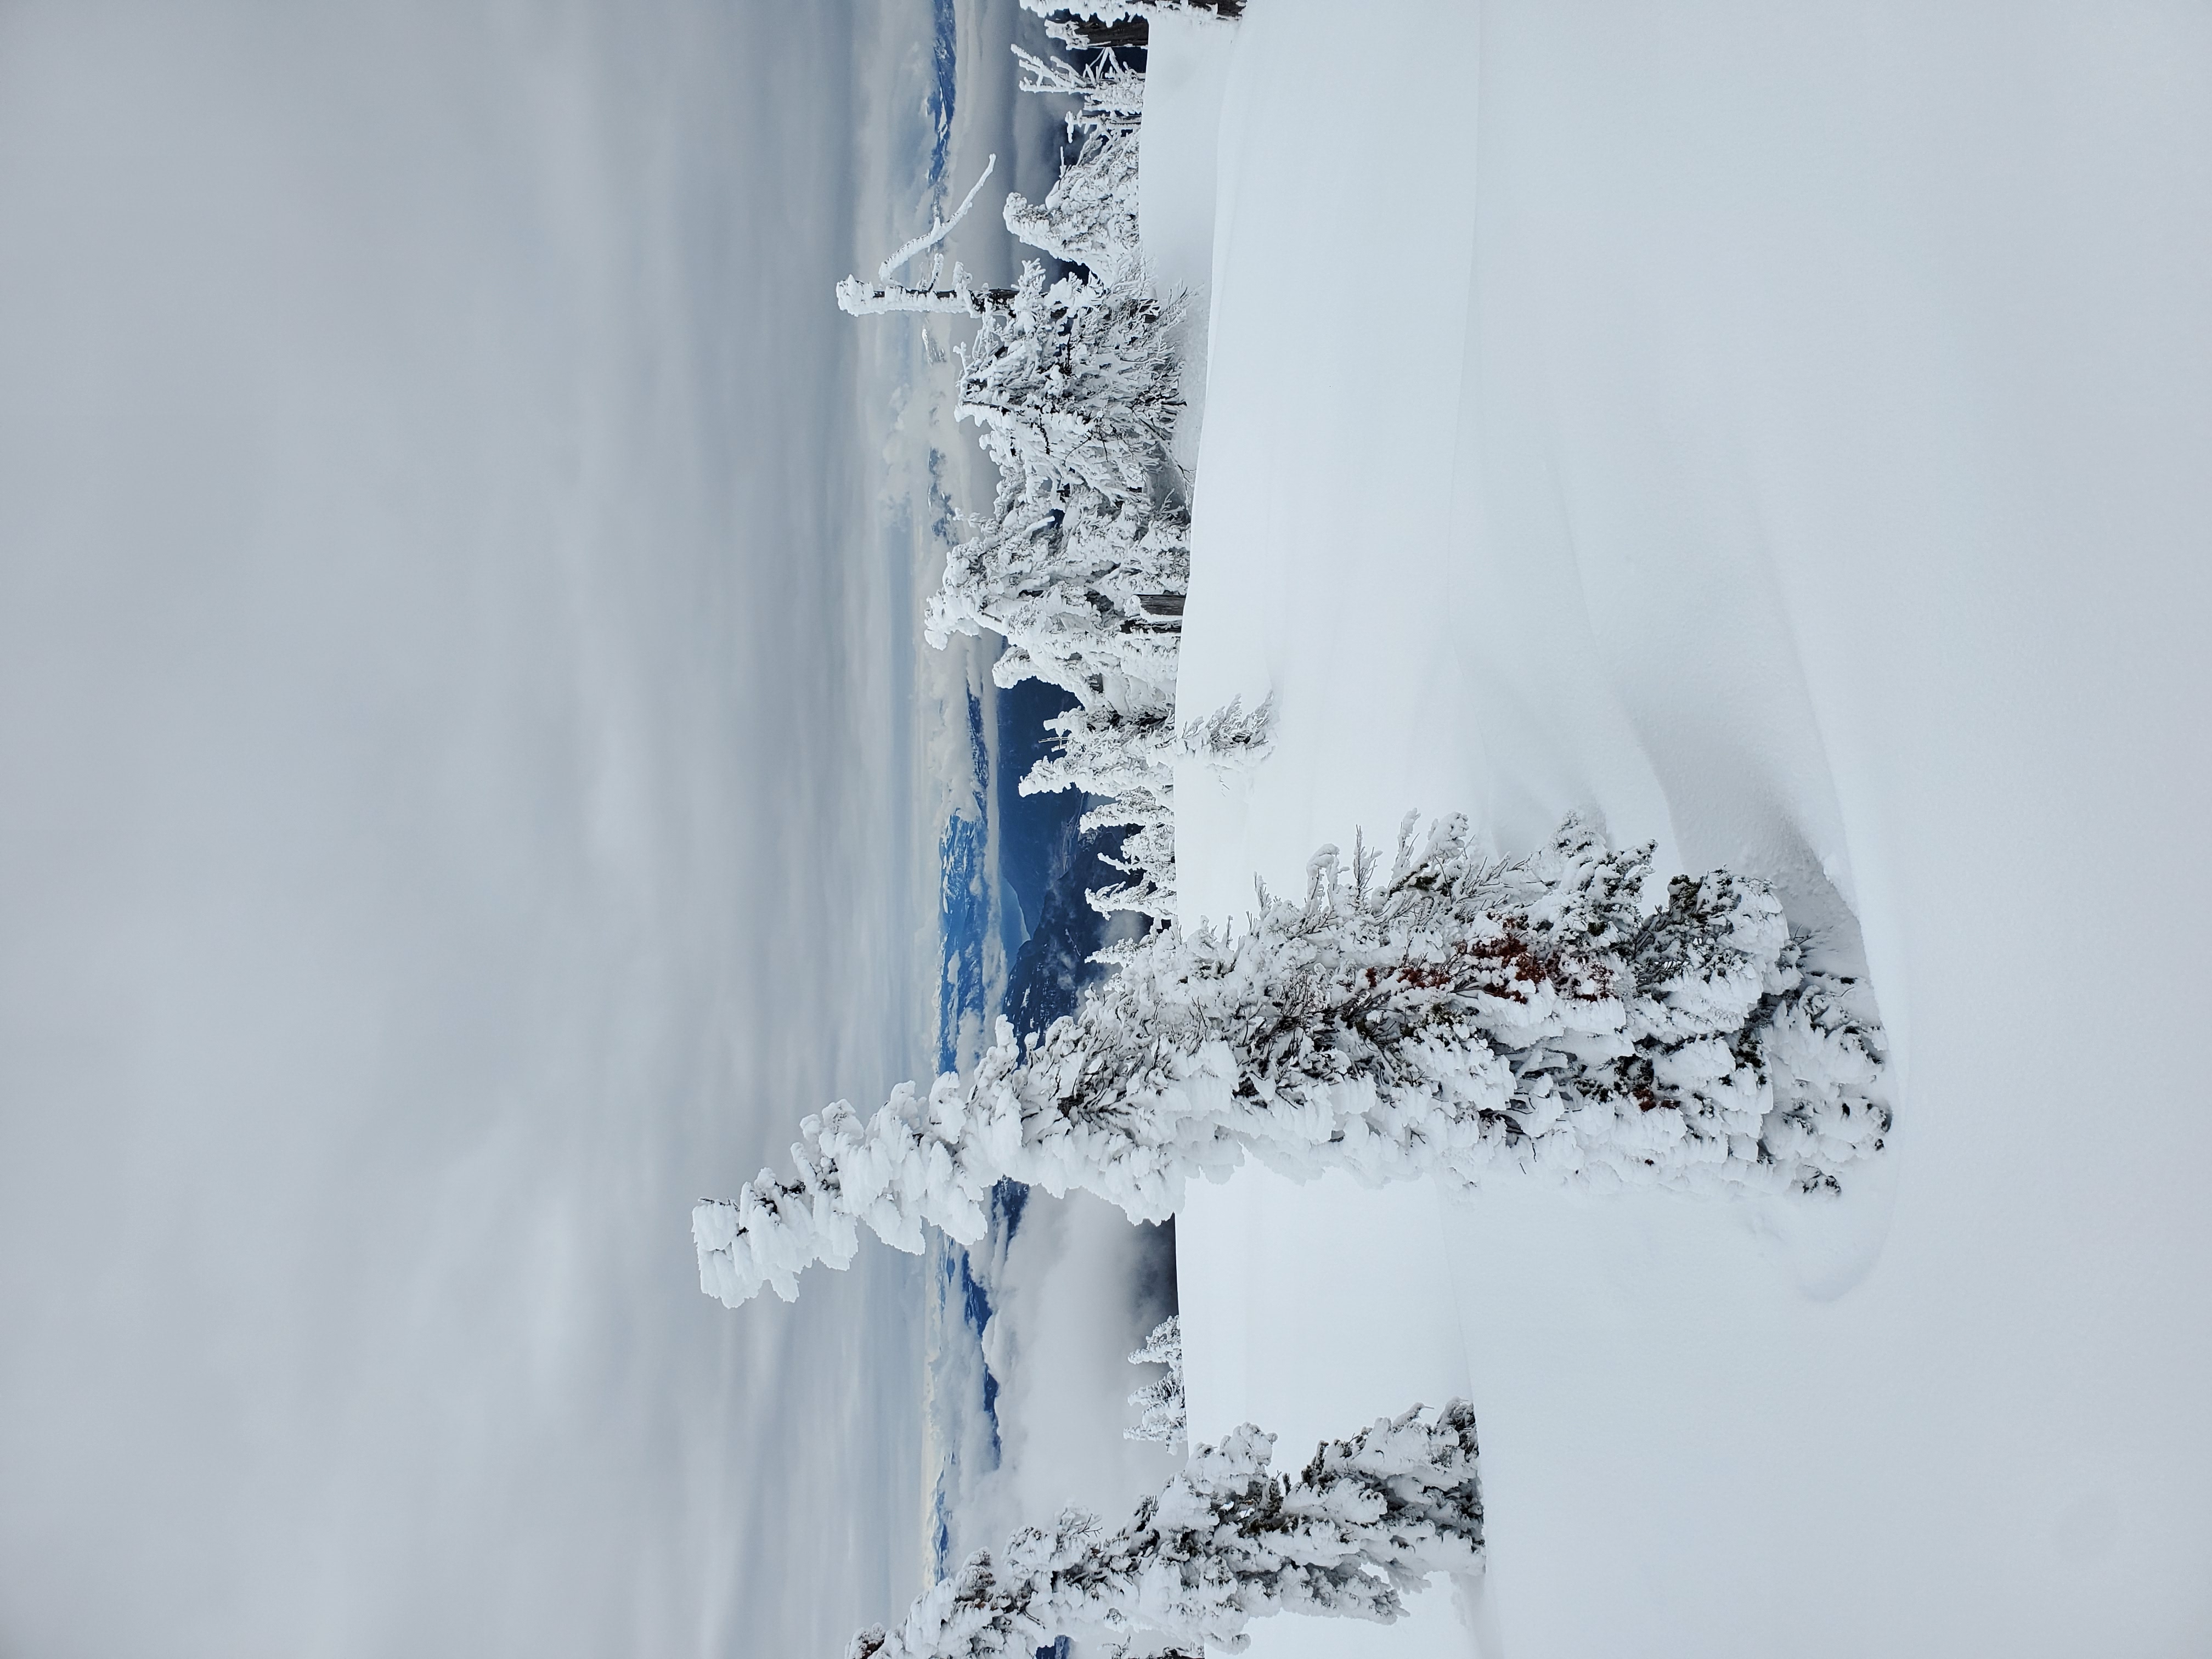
1777	434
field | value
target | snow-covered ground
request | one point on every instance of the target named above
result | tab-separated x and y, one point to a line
1780	432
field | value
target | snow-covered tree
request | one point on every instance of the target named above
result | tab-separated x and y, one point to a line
1146	857
1109	96
1461	1017
1081	569
1362	1527
1087	592
1159	1403
1076	387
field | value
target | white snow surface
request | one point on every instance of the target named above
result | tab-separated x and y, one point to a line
1779	433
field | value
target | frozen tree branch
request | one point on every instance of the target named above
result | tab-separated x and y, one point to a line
939	229
860	299
1110	95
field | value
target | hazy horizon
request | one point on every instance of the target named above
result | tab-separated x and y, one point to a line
459	809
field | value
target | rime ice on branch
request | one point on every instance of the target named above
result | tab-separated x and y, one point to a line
1365	1525
961	299
1458	1018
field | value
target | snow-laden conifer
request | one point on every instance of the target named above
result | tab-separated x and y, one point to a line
1076	387
1122	752
1160	1412
1111	749
1114	751
1087	592
1362	1527
1459	1018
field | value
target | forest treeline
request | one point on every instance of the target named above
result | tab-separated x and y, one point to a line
1082	561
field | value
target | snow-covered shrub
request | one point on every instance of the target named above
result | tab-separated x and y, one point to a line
1229	739
1459	1017
1365	1525
1159	1403
1107	750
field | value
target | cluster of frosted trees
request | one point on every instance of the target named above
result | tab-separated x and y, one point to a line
1459	1017
1365	1525
1082	562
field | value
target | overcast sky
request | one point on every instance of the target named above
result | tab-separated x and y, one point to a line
452	815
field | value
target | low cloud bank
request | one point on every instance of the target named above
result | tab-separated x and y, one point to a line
452	736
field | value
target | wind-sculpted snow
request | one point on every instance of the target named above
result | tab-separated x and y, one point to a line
1459	1017
1227	1541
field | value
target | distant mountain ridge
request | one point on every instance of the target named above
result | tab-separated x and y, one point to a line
1054	964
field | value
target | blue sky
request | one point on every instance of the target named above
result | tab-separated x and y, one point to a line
454	810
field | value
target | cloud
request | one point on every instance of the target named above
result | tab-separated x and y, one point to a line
451	756
1078	1290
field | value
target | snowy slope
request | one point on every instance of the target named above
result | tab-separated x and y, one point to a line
1781	434
1278	1283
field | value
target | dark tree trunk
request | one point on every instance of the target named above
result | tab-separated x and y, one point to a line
1091	35
1072	28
